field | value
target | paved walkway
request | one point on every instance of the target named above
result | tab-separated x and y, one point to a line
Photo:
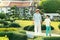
42	34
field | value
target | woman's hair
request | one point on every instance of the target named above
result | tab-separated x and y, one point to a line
48	16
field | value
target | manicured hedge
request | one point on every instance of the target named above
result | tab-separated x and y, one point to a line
14	36
59	26
43	27
2	15
31	28
5	24
52	38
14	25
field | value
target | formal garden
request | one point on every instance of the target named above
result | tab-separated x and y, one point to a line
13	26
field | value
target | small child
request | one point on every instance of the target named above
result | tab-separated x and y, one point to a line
47	22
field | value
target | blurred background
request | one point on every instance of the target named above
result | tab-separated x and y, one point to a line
16	17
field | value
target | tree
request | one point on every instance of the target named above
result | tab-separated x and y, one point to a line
50	6
14	12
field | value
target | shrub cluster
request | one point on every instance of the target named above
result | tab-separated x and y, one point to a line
14	25
52	38
59	26
14	36
31	28
5	24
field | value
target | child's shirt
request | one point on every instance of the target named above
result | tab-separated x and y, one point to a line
37	17
47	21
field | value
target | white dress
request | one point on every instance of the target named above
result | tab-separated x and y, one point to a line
37	22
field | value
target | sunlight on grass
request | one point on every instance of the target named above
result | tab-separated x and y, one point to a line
55	25
26	23
4	38
8	29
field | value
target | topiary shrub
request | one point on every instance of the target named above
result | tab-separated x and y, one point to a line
43	27
14	36
2	15
31	28
5	23
51	38
26	27
12	20
14	25
52	28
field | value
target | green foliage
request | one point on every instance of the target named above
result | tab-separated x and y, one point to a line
31	28
14	13
2	15
44	27
52	38
59	26
4	23
14	25
50	6
14	36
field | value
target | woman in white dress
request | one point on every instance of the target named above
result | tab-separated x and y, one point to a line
37	22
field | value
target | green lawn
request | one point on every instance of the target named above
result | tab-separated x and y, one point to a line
24	23
4	38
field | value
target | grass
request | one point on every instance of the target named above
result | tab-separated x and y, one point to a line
26	23
8	29
55	25
4	38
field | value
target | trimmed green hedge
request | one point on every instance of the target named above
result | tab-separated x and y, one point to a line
2	15
31	28
5	24
14	36
14	25
52	38
59	26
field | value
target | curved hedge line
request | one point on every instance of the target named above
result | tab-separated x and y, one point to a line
59	26
14	25
31	28
14	36
51	38
5	24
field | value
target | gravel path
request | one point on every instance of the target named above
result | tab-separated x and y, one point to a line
41	34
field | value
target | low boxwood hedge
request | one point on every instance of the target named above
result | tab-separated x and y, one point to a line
59	26
5	24
31	28
14	25
14	36
52	38
43	27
